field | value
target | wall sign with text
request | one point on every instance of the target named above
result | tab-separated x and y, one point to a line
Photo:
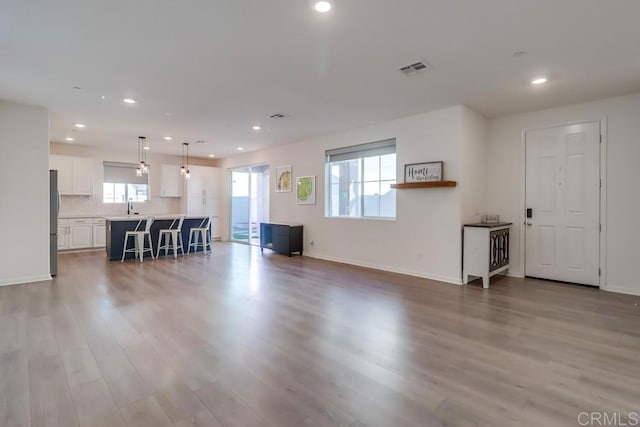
423	172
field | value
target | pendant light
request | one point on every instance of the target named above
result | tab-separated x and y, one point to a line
183	170
139	168
187	173
143	166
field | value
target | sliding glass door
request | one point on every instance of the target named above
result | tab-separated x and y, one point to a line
249	202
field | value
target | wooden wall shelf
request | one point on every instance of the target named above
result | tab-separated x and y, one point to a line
432	184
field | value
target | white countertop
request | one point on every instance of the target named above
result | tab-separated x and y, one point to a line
157	217
72	216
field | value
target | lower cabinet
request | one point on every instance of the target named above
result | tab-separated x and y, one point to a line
281	237
485	251
81	235
99	233
63	234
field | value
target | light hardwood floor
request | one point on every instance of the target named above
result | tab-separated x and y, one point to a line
242	339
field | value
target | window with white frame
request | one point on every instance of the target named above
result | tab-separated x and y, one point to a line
121	183
359	180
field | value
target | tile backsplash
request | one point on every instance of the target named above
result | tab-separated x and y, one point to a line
93	206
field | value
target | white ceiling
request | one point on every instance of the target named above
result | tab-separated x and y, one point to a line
210	69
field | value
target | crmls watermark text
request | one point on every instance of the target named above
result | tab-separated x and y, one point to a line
612	419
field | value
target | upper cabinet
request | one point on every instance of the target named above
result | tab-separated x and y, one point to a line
75	175
171	181
64	166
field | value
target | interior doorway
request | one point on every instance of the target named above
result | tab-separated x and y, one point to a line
249	202
562	202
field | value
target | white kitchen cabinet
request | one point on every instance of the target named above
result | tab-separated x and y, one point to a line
64	166
99	233
171	181
83	176
81	233
203	194
63	234
75	175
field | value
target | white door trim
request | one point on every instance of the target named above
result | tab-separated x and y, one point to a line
603	194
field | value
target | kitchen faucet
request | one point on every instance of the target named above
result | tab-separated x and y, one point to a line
129	206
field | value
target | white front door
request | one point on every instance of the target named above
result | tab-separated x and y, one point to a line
563	203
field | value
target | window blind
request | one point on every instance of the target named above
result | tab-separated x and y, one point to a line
378	148
123	173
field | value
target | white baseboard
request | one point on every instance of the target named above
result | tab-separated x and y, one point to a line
20	280
439	278
515	274
621	290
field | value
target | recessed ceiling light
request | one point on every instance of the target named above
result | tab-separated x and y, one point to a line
539	81
256	127
129	101
212	155
168	138
103	97
240	148
80	125
322	6
146	147
69	139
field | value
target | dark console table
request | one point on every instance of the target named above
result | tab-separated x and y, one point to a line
281	237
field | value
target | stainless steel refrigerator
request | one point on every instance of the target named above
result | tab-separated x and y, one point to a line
54	210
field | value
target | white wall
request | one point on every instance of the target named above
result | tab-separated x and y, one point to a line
93	205
425	238
24	193
621	182
473	170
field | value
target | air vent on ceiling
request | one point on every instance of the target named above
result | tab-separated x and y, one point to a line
415	67
199	142
277	116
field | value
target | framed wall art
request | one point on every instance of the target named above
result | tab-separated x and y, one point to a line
423	172
283	179
306	190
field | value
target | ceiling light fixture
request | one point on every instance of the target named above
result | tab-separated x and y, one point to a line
80	125
185	170
256	127
240	148
212	155
322	6
167	138
103	97
143	166
129	101
539	81
69	139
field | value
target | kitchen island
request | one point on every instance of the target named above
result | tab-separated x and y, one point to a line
117	227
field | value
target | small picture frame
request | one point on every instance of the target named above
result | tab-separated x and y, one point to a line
283	179
424	172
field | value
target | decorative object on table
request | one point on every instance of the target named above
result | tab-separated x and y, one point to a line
423	172
306	190
283	179
491	219
143	166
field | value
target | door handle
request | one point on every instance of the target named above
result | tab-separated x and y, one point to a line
529	224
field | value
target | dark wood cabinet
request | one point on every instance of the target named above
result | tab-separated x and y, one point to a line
282	238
